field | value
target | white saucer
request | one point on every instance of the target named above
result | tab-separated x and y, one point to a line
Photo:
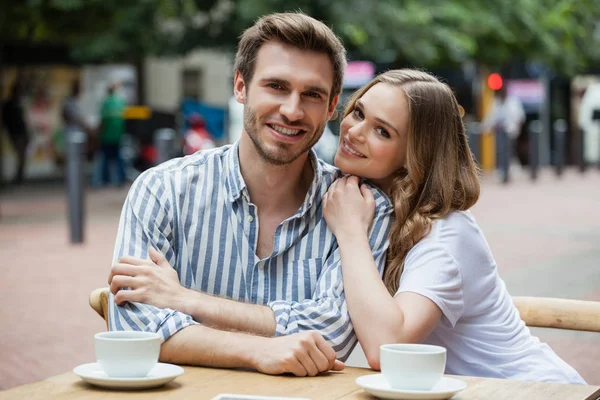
158	376
378	387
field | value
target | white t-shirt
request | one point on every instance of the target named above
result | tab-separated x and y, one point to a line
480	327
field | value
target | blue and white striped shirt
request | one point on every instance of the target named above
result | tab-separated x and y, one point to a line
197	211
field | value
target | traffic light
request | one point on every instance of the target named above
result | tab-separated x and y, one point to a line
495	81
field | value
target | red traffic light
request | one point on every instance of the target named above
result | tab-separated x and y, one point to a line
495	81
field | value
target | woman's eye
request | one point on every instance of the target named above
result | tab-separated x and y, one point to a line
358	114
383	132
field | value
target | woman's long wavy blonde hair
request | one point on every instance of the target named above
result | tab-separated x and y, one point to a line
440	174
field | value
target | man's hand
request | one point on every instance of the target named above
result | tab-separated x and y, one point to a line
302	354
152	281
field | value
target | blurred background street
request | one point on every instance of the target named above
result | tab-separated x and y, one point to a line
92	93
545	238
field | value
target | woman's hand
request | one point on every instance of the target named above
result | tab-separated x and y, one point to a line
348	208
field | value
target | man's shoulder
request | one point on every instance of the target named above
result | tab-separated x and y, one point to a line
383	204
192	168
329	173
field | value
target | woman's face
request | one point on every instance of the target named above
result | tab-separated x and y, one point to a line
374	134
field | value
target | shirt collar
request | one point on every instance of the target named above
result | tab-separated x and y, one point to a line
314	189
236	186
234	181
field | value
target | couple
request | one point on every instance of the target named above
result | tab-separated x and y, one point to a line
258	255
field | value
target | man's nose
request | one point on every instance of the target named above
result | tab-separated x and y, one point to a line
292	108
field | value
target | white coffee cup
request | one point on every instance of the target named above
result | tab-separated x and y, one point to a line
412	366
127	354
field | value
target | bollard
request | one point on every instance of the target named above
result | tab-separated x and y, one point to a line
474	138
560	133
503	145
535	131
582	165
596	118
164	140
76	141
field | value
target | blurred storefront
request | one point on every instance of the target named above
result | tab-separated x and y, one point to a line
45	87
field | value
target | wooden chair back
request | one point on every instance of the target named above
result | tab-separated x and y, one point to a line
550	312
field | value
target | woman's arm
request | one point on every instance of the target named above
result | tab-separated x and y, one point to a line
378	318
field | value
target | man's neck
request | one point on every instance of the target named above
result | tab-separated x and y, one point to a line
274	188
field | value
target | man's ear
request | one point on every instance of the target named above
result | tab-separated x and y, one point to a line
239	88
332	112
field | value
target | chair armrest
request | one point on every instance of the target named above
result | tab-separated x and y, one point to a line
99	302
550	312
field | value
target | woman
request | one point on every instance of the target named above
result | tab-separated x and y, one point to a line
403	131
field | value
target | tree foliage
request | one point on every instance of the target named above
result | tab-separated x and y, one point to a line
562	34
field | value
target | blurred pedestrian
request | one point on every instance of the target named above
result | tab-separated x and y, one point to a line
71	111
73	120
589	121
197	136
111	131
18	133
506	117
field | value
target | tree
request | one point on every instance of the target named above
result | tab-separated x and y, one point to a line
562	34
557	33
105	30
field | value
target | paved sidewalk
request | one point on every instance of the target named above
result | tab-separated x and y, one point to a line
545	237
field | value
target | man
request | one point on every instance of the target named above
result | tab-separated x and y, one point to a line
14	121
506	117
589	110
112	129
242	225
71	112
74	120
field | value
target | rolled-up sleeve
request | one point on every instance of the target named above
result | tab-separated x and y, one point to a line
146	220
327	312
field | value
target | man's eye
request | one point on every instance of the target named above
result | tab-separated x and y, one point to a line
313	95
275	86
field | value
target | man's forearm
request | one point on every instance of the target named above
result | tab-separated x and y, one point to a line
230	315
203	346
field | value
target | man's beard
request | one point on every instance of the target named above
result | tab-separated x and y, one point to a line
284	156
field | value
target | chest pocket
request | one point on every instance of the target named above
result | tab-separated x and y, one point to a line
302	278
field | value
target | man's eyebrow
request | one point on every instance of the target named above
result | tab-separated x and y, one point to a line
360	105
279	81
318	89
285	83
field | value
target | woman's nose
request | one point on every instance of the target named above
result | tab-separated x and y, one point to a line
355	132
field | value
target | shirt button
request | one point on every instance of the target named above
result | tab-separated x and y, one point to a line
261	265
250	218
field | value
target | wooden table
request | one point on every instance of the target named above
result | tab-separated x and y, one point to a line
205	383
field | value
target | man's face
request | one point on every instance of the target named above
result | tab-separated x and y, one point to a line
286	103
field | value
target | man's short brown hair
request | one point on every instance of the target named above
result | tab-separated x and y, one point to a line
297	30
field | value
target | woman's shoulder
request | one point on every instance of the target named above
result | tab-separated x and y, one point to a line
456	226
456	234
